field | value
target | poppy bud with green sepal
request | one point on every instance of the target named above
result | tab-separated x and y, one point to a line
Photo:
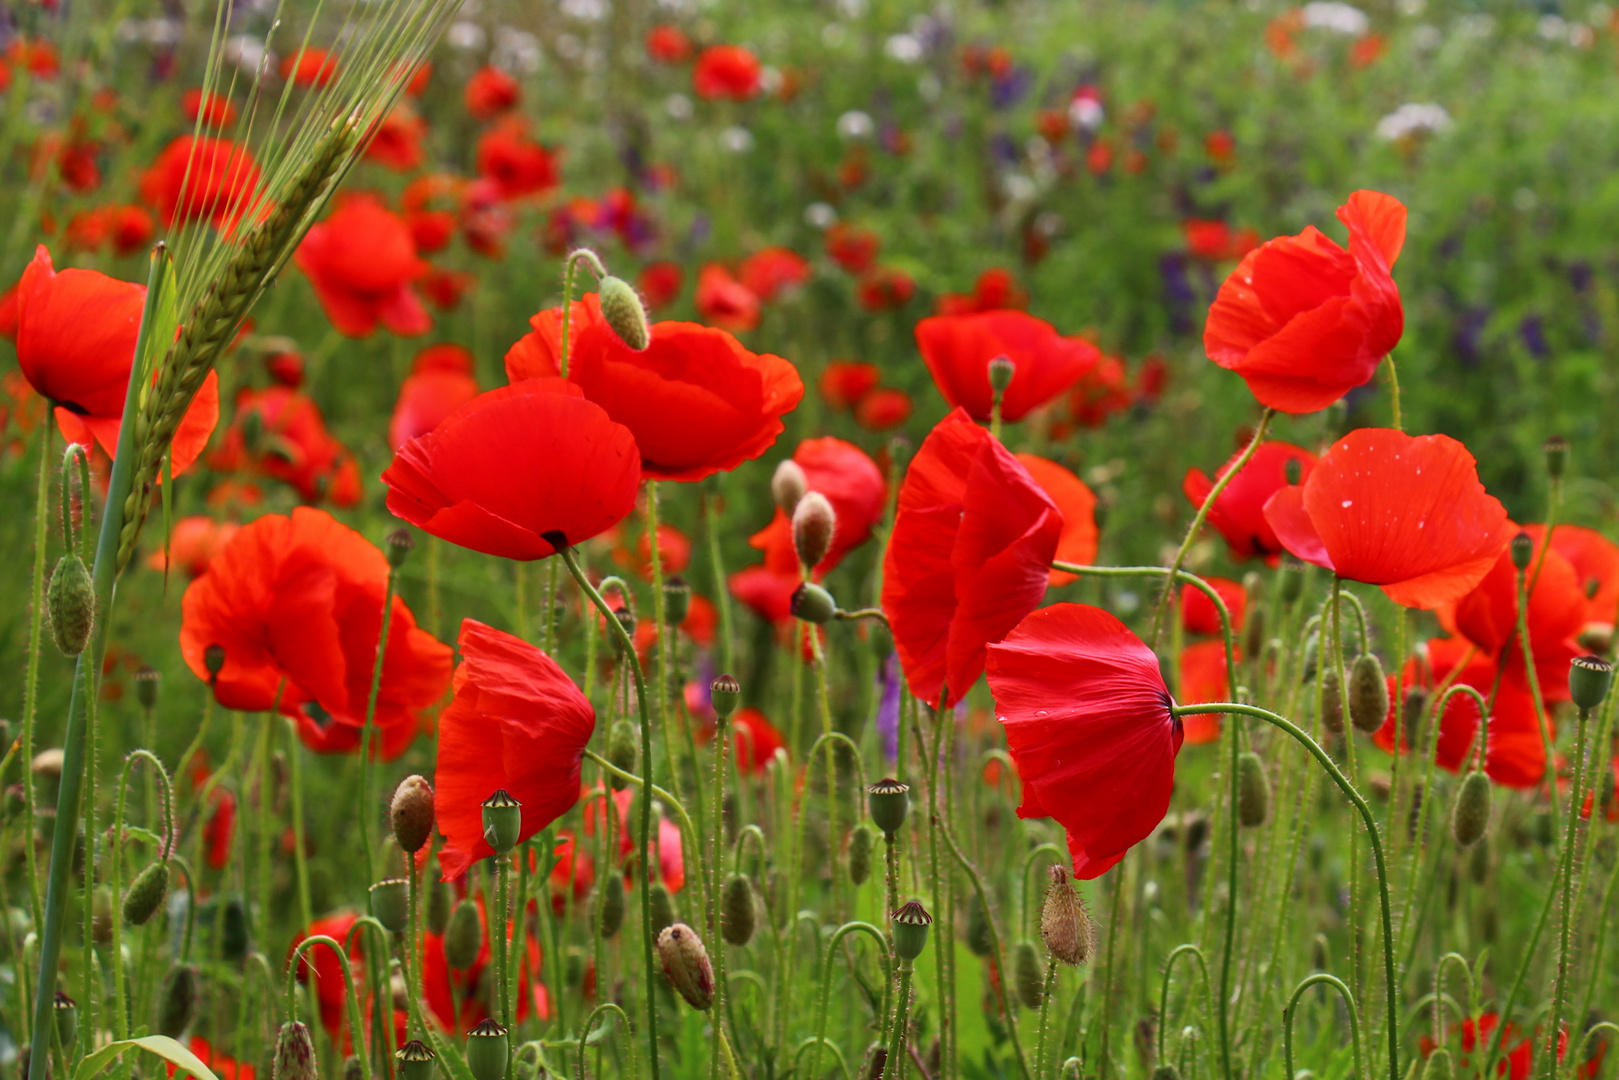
145	893
71	601
676	599
814	523
813	604
1332	701
463	936
888	802
622	310
1438	1066
1588	680
686	965
626	619
1556	451
295	1057
979	938
439	899
1031	988
910	925
1001	370
1253	791
738	912
610	906
415	1060
1253	633
725	694
67	1019
663	909
213	660
488	1051
1470	815
1368	693
861	842
147	682
1522	548
177	1001
1292	581
1065	925
390	903
398	548
502	821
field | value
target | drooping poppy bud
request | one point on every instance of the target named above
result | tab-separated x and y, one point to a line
610	907
1368	693
463	936
488	1050
814	522
663	908
411	813
390	903
177	1001
812	603
979	938
1332	701
621	751
502	821
1470	816
888	801
295	1057
1253	791
1253	632
71	601
738	913
910	925
1030	982
861	843
145	893
676	599
438	907
1588	680
622	310
234	938
1065	926
686	965
147	681
788	485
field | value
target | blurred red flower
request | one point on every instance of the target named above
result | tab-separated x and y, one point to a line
215	110
772	271
1074	499
958	349
995	289
844	382
659	284
1100	392
851	247
726	71
363	264
397	141
883	288
1199	615
1239	513
1216	241
312	66
201	179
1595	561
279	432
220	829
1488	617
754	739
668	45
883	409
1203	679
491	92
192	544
440	382
515	163
724	301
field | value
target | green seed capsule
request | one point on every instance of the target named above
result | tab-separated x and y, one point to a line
1368	693
738	910
812	603
1438	1066
390	903
415	1060
71	601
1166	1072
146	893
910	924
67	1019
610	906
676	600
488	1051
888	802
663	909
177	1001
1253	791
1588	681
463	937
725	694
1470	816
861	842
502	821
1031	987
621	751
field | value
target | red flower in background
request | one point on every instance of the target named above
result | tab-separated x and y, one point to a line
725	301
851	247
362	261
883	409
995	289
1077	503
771	271
296	604
224	1068
76	335
854	486
515	163
491	92
312	66
1100	392
698	402
192	545
884	287
1203	679
513	468
754	739
201	179
440	382
958	349
397	141
220	829
968	558
1302	320
1216	241
1200	616
215	110
1488	617
659	284
1239	513
1403	512
668	45
844	382
1090	728
1595	561
517	722
726	71
279	432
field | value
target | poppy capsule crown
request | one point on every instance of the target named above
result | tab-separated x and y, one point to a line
1588	680
502	821
889	801
911	924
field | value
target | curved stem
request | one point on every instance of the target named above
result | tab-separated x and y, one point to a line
589	1026
837	1054
1349	1005
569	267
748	832
1028	864
1163	997
826	981
356	1019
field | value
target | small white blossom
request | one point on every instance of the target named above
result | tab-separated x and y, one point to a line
1413	118
1336	16
855	125
904	48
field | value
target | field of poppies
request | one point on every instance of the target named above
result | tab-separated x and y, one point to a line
832	538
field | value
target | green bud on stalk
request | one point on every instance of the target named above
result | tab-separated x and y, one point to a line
502	821
67	1019
1029	978
146	893
738	912
622	310
1332	702
610	906
676	599
1589	678
177	1001
415	1060
390	903
147	682
1001	371
295	1057
439	898
663	909
813	604
1470	814
1523	550
725	694
398	548
463	936
861	843
234	937
888	802
1253	791
1368	693
71	601
978	927
686	965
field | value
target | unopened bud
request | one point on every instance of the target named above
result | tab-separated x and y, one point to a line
861	842
488	1051
1166	1072
1292	580
626	619
738	913
213	660
177	1001
1030	981
888	802
663	908
813	604
610	906
1065	925
463	936
145	893
814	522
1368	693
234	937
1001	370
1332	701
1470	816
390	903
788	485
1523	550
1588	680
1556	451
910	925
725	694
623	311
399	547
295	1057
1253	791
1437	1066
147	681
439	899
621	751
980	938
71	601
686	965
502	821
1253	632
411	813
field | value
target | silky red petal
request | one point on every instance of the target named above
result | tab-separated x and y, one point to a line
1239	513
1378	220
958	348
1077	503
76	334
1294	530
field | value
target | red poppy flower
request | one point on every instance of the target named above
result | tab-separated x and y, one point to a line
215	110
470	985
1198	613
514	163
1403	512
296	604
76	334
445	289
659	284
201	179
1203	679
1595	561
724	301
362	261
698	402
193	543
131	229
310	67
845	382
726	71
1215	241
771	271
1302	320
1488	617
1076	503
220	829
440	382
851	247
754	739
512	468
1239	513
517	722
883	409
995	289
968	558
224	1068
854	486
397	141
958	349
668	45
289	442
767	592
491	92
1090	728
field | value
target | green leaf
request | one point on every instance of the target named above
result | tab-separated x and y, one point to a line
161	1045
165	319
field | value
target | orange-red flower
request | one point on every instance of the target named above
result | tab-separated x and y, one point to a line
668	45
883	409
279	432
201	179
397	141
1199	615
845	382
514	163
1077	504
854	486
771	271
362	261
440	382
193	544
312	66
1595	561
883	288
958	349
491	92
1239	513
215	110
659	284
726	71
724	301
995	289
852	247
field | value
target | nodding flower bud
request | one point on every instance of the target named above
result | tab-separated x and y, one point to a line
295	1057
1253	791
1332	700
725	694
147	681
812	603
623	311
488	1051
1438	1065
439	899
213	661
610	906
1031	988
626	619
979	938
861	841
663	908
145	893
686	965
398	547
621	751
888	801
1470	815
676	599
415	1061
1368	693
788	485
1065	925
738	913
502	821
390	903
1588	680
71	601
463	936
1253	632
1523	550
814	522
1556	451
910	924
1001	370
411	813
177	1000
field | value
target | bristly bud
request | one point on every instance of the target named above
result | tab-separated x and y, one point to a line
1001	370
1031	987
1470	816
788	485
147	681
1523	550
353	1068
411	813
1166	1071
1556	451
979	937
861	842
213	660
415	1061
910	925
1332	701
234	939
676	599
398	547
814	523
622	310
1252	642
1065	925
621	751
626	619
145	893
738	914
1368	693
1253	791
725	694
463	936
663	908
488	1051
295	1057
101	915
1411	714
686	965
1588	680
502	821
67	1019
71	601
390	903
610	907
177	1001
888	801
812	603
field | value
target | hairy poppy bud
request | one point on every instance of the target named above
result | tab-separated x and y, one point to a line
463	936
1332	701
398	547
352	1068
910	925
1292	580
738	916
622	310
1437	1066
1001	370
686	965
1588	680
1368	693
1470	815
415	1061
488	1051
676	599
1411	713
663	908
145	893
814	522
390	903
213	659
1253	791
295	1057
1556	451
438	906
177	1001
411	813
979	938
888	801
813	604
788	485
1065	925
71	601
233	930
1031	987
621	752
725	694
67	1019
610	906
1523	550
860	848
147	681
502	821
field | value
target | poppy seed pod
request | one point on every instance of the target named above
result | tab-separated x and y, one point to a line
1332	701
676	599
1438	1065
67	1019
411	813
1588	680
910	925
1253	791
621	752
1001	370
415	1061
813	604
398	547
145	893
1522	548
390	903
663	908
71	601
502	821
177	1001
1065	925
861	842
738	915
101	916
488	1050
814	522
1556	451
888	801
725	694
610	907
295	1057
147	681
463	936
1031	988
686	965
788	485
622	310
1368	693
1470	815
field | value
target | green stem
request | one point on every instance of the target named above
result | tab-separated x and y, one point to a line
300	857
1349	1005
1195	953
36	614
1534	686
1575	806
893	1064
367	733
722	599
843	931
569	267
1045	1010
356	1017
1394	391
715	914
